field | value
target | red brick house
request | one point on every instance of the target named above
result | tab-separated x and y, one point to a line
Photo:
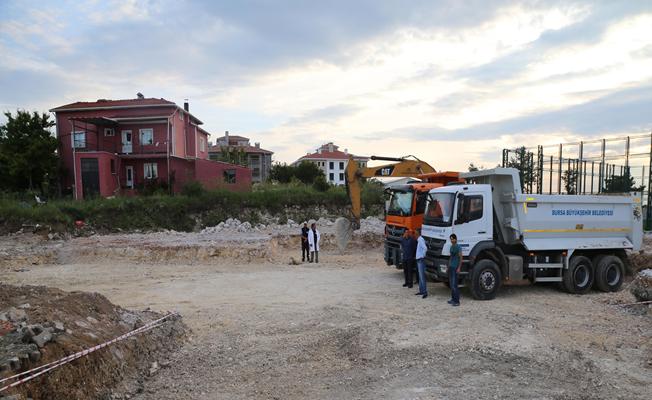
113	147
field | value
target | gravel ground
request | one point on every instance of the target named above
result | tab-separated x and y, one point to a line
345	328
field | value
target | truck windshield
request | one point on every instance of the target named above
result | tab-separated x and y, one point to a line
440	209
400	203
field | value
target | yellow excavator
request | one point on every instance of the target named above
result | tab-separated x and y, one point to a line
406	202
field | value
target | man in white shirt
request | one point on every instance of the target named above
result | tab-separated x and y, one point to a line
421	264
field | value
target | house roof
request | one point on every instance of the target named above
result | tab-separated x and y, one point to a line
246	149
104	104
331	155
234	137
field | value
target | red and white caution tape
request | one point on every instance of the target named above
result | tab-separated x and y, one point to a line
35	372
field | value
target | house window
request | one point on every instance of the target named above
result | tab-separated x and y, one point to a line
79	139
202	144
181	115
112	166
109	132
331	177
229	176
341	176
146	136
341	164
331	165
151	170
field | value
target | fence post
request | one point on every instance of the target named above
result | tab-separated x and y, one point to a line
561	160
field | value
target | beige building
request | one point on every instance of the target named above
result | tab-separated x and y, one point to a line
257	159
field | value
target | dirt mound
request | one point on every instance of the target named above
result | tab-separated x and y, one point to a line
42	325
639	262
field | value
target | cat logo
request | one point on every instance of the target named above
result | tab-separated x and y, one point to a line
386	171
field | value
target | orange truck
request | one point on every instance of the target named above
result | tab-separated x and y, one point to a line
406	204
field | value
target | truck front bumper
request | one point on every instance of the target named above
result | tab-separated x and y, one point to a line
393	254
437	268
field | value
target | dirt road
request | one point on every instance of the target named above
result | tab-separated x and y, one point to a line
347	329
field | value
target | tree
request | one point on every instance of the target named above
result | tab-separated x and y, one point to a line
473	168
320	183
234	155
621	184
570	181
307	172
281	173
522	160
28	152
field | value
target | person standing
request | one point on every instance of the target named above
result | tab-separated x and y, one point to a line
454	268
305	248
421	264
313	242
409	247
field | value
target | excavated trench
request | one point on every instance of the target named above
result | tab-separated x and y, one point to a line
182	248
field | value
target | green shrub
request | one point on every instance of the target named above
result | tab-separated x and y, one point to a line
320	184
161	211
193	189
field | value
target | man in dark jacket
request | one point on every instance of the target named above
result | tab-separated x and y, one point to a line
409	247
305	249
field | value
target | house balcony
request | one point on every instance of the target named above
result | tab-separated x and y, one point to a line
100	134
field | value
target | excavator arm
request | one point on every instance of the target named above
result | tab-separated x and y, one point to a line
402	167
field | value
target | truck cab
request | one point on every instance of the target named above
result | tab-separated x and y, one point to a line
465	210
405	209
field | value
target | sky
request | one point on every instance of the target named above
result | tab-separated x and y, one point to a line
451	82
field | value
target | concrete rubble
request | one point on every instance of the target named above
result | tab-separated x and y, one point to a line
20	345
291	227
641	286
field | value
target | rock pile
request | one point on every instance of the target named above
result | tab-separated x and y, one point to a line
21	342
233	225
641	286
291	227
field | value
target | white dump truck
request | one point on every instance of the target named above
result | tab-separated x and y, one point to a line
579	241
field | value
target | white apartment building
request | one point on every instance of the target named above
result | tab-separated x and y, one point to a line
332	161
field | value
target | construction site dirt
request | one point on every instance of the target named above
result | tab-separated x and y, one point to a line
345	328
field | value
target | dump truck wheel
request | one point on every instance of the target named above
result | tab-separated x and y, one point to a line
485	280
609	273
578	278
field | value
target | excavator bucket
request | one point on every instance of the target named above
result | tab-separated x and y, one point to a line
343	232
344	227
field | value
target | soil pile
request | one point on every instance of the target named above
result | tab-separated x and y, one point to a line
640	261
41	325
